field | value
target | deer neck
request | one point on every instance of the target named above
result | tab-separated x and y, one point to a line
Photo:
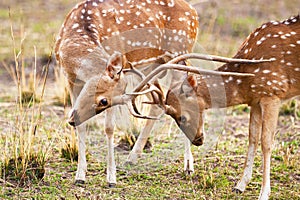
222	91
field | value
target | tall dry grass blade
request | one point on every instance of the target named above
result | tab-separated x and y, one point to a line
16	55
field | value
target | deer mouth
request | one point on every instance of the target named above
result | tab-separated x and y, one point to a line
198	141
73	119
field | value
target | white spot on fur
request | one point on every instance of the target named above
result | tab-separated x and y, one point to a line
257	70
76	25
266	71
287	35
283	37
258	42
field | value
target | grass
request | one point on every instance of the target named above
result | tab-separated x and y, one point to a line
24	156
214	176
35	131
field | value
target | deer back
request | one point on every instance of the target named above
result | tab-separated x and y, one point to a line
143	31
275	40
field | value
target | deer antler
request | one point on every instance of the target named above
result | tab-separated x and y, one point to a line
134	71
155	88
215	58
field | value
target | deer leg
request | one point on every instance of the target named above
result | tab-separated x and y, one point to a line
82	165
188	157
81	132
270	110
254	133
143	137
111	166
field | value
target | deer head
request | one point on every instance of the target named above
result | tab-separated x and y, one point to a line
184	102
94	98
144	32
182	106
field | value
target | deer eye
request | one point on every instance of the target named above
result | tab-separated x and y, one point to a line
103	102
182	119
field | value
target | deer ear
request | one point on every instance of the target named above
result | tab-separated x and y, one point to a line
192	80
114	66
188	85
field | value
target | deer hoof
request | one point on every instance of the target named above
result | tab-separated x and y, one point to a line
79	182
188	172
111	185
128	163
237	191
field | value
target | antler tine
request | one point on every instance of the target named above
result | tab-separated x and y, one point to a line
135	114
152	88
159	99
215	58
197	70
134	71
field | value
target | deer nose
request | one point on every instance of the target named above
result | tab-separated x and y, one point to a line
198	141
71	120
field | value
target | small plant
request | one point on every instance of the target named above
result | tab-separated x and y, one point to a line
240	109
70	149
24	155
129	138
24	170
290	108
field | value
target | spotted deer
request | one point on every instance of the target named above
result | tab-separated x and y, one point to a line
100	39
273	81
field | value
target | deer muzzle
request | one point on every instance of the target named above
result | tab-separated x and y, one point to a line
198	141
72	118
76	118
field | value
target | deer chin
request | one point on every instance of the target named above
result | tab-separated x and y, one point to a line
77	117
190	130
196	137
73	118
